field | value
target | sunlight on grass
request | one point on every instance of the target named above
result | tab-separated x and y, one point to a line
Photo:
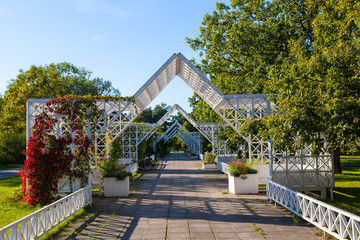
11	209
347	186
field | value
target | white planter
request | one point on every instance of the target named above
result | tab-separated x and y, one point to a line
116	188
245	184
209	165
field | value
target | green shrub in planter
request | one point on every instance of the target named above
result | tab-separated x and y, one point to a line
209	157
192	154
109	167
237	168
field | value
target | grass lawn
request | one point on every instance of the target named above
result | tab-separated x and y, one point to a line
10	165
347	186
12	210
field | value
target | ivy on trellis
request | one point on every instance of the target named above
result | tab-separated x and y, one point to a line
50	157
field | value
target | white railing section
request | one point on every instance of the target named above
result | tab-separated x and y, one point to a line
132	168
337	222
221	166
43	220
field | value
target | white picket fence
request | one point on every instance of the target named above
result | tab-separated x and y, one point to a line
337	222
43	220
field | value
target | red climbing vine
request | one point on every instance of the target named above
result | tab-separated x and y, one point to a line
49	157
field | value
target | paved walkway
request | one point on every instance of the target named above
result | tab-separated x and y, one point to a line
182	201
10	172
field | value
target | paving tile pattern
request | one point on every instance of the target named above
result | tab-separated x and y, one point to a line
182	201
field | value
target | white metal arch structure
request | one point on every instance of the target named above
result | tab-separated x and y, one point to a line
118	115
192	140
206	129
234	109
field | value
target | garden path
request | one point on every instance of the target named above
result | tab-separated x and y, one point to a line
182	201
10	172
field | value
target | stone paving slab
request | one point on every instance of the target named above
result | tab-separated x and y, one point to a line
182	201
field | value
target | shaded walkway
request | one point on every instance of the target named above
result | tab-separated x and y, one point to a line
182	201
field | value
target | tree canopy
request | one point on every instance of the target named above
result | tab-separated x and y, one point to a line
40	82
306	53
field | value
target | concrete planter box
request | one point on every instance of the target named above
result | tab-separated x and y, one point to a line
245	184
116	188
209	165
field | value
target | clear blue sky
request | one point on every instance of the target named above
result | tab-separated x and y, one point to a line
121	41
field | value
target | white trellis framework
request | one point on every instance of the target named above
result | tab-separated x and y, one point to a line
191	139
233	109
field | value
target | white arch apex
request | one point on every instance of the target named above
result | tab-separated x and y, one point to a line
178	65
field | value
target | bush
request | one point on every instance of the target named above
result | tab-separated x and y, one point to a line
116	148
192	154
209	157
109	167
12	146
237	168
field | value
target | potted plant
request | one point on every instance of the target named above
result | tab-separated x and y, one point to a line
116	178
242	178
193	155
209	160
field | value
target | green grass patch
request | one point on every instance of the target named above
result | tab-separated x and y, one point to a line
9	206
10	165
347	187
350	159
225	192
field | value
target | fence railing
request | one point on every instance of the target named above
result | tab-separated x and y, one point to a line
43	220
337	222
221	166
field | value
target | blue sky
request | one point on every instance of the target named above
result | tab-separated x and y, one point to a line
121	41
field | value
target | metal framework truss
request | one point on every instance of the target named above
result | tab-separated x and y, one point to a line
191	139
302	169
233	109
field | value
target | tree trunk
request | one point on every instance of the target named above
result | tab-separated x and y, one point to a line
336	159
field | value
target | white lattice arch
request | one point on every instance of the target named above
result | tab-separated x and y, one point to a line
233	109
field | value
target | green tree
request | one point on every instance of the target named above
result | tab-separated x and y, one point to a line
150	115
306	52
40	82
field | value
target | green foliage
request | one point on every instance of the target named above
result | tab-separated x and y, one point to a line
9	204
237	168
162	148
153	115
11	165
233	140
209	157
116	148
306	53
110	167
347	186
142	150
12	145
177	144
39	82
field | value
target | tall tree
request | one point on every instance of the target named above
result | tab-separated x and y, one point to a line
307	52
40	82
